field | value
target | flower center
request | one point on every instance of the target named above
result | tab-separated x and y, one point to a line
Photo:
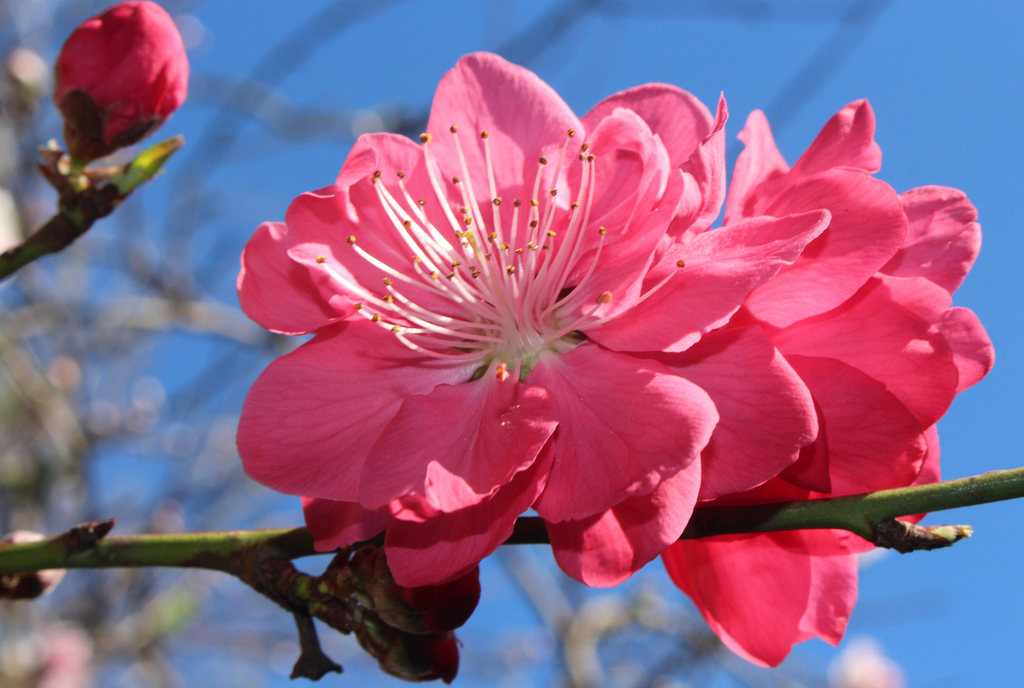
478	290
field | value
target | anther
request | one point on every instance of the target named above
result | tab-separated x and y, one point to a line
533	223
585	146
463	209
543	160
602	230
375	318
554	192
401	175
534	202
483	134
387	281
449	276
575	205
519	251
532	246
510	269
376	174
497	201
320	259
680	263
502	372
417	259
421	202
351	239
604	297
487	256
468	220
389	298
572	132
590	158
394	328
433	275
505	245
357	306
453	129
546	246
407	224
455	180
456	263
424	138
551	232
517	203
582	157
492	236
475	273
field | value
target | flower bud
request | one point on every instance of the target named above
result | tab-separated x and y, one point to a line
425	609
30	585
409	656
118	77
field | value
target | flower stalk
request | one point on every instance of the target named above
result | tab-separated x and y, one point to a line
868	516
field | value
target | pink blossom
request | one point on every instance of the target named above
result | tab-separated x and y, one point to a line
522	310
864	317
118	77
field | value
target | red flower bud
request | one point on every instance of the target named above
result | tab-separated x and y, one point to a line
118	77
409	656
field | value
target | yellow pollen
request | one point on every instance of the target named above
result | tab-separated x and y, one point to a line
468	220
534	202
320	259
602	230
389	298
551	232
357	306
433	275
533	246
351	239
375	318
492	236
582	157
504	244
519	251
483	134
424	138
456	263
475	274
449	276
572	132
407	224
510	269
575	205
502	372
497	201
453	129
417	259
387	281
463	209
543	160
680	263
585	146
604	297
394	328
517	203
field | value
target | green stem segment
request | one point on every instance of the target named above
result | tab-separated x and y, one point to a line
867	515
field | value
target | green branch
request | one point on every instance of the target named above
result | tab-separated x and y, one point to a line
868	516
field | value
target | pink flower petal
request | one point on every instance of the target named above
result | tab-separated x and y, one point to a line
846	140
767	414
340	524
625	424
274	290
868	226
874	443
943	239
490	431
308	423
721	268
811	469
764	593
704	180
886	341
524	118
448	545
973	352
679	119
606	549
759	162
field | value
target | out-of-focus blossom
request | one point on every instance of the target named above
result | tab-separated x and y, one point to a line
522	310
118	77
864	316
863	664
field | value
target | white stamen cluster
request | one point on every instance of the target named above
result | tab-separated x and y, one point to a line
504	282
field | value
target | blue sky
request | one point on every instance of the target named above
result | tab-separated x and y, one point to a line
946	83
